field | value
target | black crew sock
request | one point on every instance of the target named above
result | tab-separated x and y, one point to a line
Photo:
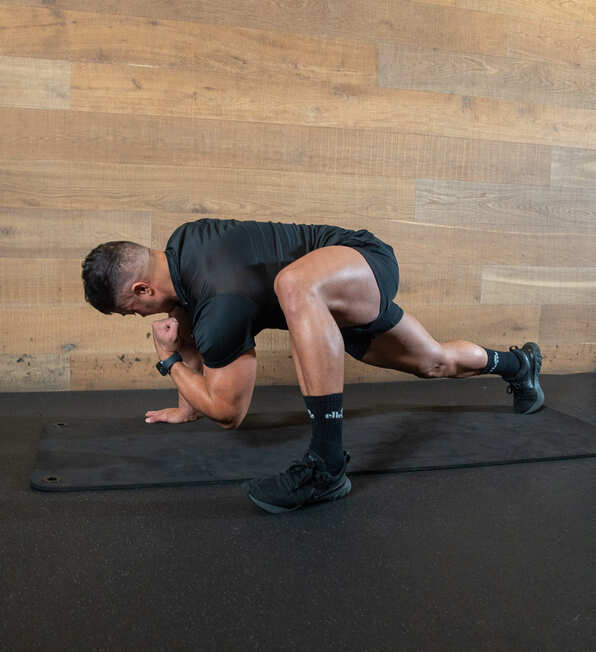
503	363
326	416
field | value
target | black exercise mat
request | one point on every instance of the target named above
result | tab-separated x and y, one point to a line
128	453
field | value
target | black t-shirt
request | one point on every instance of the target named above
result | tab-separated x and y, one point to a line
223	273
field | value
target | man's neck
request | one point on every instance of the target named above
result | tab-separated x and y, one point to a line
160	272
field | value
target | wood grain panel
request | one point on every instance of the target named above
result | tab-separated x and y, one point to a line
420	23
538	285
41	282
507	207
66	329
34	83
568	324
510	78
275	368
156	91
47	233
446	28
487	325
265	193
431	243
568	358
564	11
99	371
443	3
83	36
34	372
439	284
574	167
535	38
113	138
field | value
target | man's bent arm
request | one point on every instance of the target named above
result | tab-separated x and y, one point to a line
223	394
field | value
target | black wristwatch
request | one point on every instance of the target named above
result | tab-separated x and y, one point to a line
164	366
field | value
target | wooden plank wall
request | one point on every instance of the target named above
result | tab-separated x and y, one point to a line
463	132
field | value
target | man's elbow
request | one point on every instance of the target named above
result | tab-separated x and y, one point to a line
229	412
231	421
230	425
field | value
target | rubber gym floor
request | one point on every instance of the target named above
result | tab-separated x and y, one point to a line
490	558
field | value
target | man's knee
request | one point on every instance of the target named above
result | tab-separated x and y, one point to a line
291	289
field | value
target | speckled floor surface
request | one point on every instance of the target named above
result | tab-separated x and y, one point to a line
494	558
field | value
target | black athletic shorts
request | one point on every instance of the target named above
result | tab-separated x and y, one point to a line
381	258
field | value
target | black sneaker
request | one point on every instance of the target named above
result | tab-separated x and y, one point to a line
305	482
528	396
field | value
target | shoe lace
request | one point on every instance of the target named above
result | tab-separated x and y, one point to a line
298	474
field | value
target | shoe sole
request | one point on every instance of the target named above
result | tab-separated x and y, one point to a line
333	494
534	349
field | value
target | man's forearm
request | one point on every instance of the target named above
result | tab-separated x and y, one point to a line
192	359
193	387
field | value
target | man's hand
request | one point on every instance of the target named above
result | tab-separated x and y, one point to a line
165	337
171	415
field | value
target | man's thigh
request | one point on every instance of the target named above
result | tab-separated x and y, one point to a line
340	277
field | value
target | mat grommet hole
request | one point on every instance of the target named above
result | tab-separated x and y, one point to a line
61	424
52	479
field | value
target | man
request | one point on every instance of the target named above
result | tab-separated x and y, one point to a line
223	281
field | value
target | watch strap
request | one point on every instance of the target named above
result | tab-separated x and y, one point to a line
164	366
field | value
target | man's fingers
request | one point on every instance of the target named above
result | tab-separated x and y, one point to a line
165	331
170	415
154	416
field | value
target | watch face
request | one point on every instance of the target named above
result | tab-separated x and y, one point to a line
164	366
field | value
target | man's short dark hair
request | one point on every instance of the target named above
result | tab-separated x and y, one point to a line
107	270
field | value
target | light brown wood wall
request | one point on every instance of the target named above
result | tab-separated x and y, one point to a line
463	132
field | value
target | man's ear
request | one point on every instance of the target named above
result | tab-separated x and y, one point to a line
141	287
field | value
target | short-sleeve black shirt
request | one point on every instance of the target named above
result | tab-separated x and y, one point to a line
223	273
